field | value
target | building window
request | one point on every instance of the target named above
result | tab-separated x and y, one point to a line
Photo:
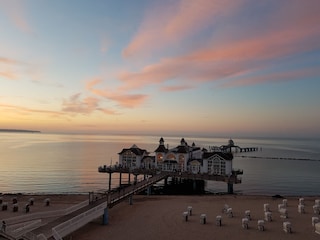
217	166
171	156
181	161
129	159
159	158
210	166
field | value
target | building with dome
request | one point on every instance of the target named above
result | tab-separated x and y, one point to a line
182	158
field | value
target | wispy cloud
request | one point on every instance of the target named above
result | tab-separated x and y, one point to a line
76	105
274	77
10	68
4	60
27	111
175	88
8	75
16	12
292	29
105	44
124	99
169	24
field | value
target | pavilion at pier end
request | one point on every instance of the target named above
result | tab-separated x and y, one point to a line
183	162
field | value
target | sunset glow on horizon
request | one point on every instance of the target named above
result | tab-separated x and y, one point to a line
202	67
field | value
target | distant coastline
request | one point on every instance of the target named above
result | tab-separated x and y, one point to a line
19	131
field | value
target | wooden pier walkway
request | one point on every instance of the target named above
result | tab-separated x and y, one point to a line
67	224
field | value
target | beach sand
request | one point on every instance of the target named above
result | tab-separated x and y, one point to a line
160	217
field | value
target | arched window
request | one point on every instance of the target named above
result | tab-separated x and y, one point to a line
218	167
171	156
159	158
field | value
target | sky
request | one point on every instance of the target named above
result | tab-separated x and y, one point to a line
193	67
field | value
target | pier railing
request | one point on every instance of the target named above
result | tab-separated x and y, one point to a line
111	199
77	222
46	214
24	228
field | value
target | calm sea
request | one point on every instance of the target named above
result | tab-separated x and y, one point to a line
68	163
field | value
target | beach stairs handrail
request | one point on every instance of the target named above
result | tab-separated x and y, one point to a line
77	222
46	214
63	229
32	236
6	236
133	189
24	228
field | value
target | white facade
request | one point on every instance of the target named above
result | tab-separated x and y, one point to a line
182	158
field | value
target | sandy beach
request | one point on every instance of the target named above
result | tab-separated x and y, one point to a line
160	217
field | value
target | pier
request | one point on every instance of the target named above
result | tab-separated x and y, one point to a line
231	147
229	179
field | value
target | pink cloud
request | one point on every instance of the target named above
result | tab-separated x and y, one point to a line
171	23
9	75
293	29
26	111
17	14
123	98
9	68
175	88
4	60
84	106
275	77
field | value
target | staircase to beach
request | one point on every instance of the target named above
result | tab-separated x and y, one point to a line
72	221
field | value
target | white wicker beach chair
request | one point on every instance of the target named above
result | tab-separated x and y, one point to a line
301	208
260	225
247	214
229	212
203	218
283	213
219	220
280	206
317	202
47	202
225	208
245	223
301	201
285	202
266	207
190	210
316	209
287	227
314	220
317	227
185	216
31	201
268	216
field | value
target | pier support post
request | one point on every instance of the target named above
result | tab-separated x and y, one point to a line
194	185
230	188
135	179
149	190
129	178
120	179
130	200
110	181
105	216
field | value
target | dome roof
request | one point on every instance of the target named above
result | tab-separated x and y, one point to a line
231	143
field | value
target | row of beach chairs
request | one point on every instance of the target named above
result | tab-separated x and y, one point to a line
282	209
15	206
